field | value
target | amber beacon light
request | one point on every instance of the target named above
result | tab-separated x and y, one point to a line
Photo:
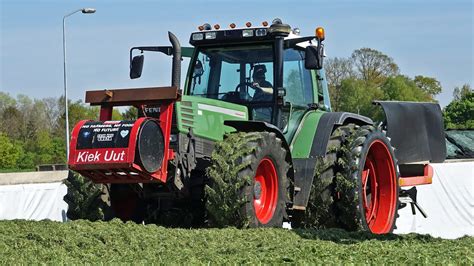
320	33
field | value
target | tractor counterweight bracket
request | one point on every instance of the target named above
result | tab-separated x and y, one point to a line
409	196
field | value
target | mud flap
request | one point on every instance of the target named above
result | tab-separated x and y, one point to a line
416	131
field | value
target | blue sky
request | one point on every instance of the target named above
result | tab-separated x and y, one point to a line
431	38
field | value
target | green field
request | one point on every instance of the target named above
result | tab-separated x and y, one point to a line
116	242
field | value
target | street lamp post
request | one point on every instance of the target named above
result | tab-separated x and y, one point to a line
84	11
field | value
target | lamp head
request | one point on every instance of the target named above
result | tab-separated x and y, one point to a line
88	10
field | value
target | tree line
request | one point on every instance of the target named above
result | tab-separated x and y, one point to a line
368	75
32	130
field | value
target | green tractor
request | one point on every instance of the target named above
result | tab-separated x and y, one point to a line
251	141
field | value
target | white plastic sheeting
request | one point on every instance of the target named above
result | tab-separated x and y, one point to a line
448	202
33	201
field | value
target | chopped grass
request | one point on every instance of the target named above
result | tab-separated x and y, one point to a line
25	242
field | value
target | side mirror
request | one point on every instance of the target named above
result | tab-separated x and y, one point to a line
314	56
136	66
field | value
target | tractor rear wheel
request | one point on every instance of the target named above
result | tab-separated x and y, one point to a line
367	182
248	184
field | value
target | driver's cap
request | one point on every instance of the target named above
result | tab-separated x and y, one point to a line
259	71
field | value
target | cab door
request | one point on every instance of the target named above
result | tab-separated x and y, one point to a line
298	83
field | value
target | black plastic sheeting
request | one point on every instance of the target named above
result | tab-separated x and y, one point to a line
416	131
460	144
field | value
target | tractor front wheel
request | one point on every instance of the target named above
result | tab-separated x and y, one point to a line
86	200
248	184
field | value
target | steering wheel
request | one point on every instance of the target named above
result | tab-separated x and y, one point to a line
242	85
235	96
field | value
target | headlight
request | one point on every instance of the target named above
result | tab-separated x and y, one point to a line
198	36
261	32
210	35
247	33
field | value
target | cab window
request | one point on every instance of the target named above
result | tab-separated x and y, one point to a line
297	79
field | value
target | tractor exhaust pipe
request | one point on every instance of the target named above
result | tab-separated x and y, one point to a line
176	68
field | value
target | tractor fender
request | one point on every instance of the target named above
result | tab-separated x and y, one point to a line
259	126
327	124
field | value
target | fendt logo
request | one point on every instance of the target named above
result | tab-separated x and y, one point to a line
98	156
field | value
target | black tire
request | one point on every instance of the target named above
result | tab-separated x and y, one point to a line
86	200
361	145
232	187
320	211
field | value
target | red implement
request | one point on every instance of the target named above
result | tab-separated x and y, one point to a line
112	151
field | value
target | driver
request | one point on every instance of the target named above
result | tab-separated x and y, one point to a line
263	88
263	93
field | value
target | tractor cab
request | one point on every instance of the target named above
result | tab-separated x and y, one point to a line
266	73
262	68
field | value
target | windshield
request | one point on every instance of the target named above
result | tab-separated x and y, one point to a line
227	73
244	75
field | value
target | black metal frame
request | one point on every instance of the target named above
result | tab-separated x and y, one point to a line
228	37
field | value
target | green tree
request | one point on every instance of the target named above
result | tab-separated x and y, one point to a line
358	97
29	118
52	112
6	101
373	66
9	152
402	88
116	114
11	122
27	161
431	86
459	114
44	148
22	118
459	93
130	114
58	150
337	70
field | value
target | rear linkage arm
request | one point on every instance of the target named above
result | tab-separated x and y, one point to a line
410	196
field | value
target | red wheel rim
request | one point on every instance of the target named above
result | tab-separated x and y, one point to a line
379	188
265	190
